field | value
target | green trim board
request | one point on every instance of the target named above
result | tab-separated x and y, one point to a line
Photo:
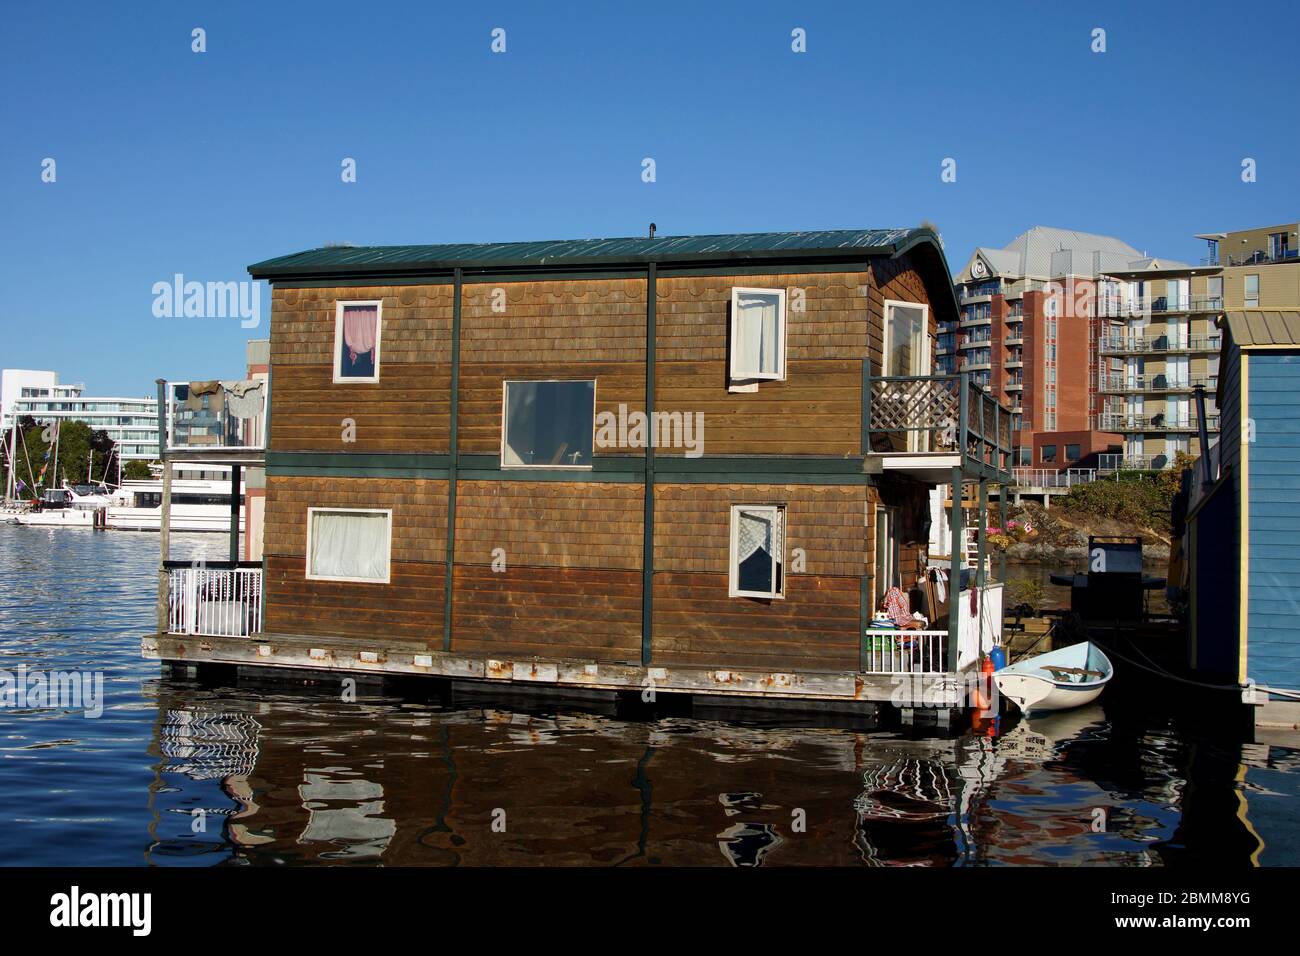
648	520
454	445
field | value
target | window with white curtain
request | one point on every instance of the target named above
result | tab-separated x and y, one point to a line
356	341
757	334
757	551
347	544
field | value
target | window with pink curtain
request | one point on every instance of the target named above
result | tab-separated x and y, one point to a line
357	349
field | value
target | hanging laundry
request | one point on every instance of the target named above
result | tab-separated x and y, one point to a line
244	399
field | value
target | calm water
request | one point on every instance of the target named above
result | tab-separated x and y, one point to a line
292	775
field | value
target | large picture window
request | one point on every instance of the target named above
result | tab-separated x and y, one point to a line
548	424
757	551
357	328
348	544
757	334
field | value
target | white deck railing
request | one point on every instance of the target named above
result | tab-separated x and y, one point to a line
925	652
905	652
215	602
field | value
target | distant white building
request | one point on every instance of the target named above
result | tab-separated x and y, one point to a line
132	423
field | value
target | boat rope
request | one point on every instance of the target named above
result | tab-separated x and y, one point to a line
1157	669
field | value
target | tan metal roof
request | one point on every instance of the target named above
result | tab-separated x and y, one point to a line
1265	327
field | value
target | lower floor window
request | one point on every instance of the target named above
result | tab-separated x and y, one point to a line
757	551
345	544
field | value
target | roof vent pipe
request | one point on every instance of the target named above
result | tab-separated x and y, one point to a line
652	230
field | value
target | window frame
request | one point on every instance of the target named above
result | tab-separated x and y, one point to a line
1042	454
505	398
1077	456
388	545
927	362
1246	297
339	377
733	565
783	317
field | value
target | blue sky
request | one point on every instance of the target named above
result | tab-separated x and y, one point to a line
171	161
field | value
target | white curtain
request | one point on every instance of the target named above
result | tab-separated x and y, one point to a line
755	530
349	544
757	330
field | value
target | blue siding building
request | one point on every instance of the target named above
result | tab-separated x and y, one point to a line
1244	531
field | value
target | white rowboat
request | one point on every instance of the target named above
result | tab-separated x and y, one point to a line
1058	680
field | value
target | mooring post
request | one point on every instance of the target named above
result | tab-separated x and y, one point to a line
234	513
164	526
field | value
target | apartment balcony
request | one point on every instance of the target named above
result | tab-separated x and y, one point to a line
1157	305
977	366
974	343
1125	423
1257	257
1111	463
1120	384
1015	386
1014	363
1140	345
1014	340
972	323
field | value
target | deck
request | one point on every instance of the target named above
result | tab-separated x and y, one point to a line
352	656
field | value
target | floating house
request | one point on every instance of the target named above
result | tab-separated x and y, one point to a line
683	464
1243	521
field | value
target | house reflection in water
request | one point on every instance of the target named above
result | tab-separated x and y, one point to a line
309	779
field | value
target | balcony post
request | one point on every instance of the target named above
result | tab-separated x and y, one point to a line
954	579
234	514
1002	555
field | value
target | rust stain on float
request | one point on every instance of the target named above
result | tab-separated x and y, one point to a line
723	677
499	670
371	657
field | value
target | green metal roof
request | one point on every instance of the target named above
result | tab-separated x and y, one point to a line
414	260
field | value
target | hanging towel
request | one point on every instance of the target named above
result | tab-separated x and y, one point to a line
941	586
244	399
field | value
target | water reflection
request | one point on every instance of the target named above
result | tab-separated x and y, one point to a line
180	773
311	779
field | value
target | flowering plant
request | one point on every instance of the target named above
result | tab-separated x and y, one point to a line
1015	532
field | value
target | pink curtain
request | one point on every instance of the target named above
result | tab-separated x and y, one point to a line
359	324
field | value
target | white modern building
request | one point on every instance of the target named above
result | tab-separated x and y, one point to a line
132	423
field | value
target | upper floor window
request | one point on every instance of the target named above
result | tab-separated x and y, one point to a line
1252	291
757	334
907	339
548	424
357	327
1049	454
1071	452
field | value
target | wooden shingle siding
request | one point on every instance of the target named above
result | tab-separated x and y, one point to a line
481	395
554	322
692	312
415	324
419	512
552	524
548	612
814	628
407	410
693	525
898	280
816	410
406	611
